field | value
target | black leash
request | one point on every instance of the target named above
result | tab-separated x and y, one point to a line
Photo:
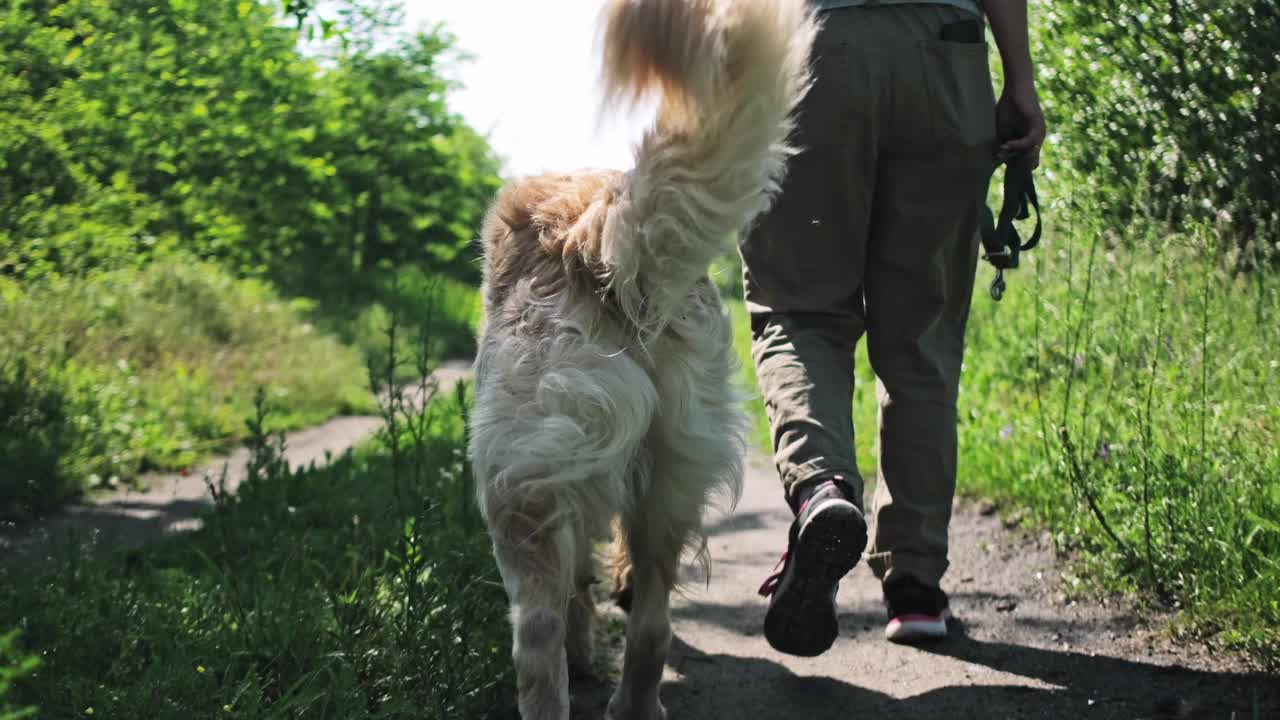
1000	239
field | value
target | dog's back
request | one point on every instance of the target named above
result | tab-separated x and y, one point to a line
605	369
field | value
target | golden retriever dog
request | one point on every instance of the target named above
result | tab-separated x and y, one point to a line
605	400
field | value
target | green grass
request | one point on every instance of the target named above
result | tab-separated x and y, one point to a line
440	308
362	590
105	377
1122	397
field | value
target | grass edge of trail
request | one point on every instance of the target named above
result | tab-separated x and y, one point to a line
365	588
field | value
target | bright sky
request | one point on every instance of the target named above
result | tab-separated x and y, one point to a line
532	84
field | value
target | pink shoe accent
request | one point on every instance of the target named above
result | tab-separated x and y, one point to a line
771	582
917	618
907	628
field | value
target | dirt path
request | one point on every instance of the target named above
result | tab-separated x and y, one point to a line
1020	650
172	502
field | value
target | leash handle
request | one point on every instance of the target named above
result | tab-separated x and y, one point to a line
1025	193
1000	239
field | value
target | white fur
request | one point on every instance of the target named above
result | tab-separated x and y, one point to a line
588	411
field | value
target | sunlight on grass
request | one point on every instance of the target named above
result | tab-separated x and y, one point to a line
137	370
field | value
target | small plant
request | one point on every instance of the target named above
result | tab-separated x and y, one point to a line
14	665
436	555
37	437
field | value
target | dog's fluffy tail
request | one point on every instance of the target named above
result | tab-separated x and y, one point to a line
728	74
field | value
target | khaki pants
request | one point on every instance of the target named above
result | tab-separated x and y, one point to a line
875	232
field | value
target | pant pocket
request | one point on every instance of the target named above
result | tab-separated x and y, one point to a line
960	93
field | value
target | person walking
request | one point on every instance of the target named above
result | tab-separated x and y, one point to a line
876	233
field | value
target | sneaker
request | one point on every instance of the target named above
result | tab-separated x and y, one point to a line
825	542
917	612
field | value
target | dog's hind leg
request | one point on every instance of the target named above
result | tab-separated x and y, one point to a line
535	554
654	554
550	441
580	638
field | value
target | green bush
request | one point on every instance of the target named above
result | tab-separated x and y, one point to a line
36	435
131	128
435	313
1166	105
147	369
137	138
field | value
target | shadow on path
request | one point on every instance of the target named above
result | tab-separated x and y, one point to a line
1112	684
713	686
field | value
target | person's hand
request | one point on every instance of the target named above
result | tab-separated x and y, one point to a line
1020	123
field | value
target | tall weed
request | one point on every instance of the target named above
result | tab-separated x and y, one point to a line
1125	394
14	665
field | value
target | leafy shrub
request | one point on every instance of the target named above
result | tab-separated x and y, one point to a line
131	128
36	435
133	133
435	313
1166	105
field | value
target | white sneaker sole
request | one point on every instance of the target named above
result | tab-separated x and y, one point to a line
914	628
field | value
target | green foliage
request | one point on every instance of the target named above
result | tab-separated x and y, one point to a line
14	665
1166	105
434	307
137	137
36	436
145	369
1129	402
362	590
128	128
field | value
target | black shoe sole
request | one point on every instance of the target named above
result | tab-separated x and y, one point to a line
801	619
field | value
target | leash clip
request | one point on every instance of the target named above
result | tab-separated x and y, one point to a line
996	257
999	235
